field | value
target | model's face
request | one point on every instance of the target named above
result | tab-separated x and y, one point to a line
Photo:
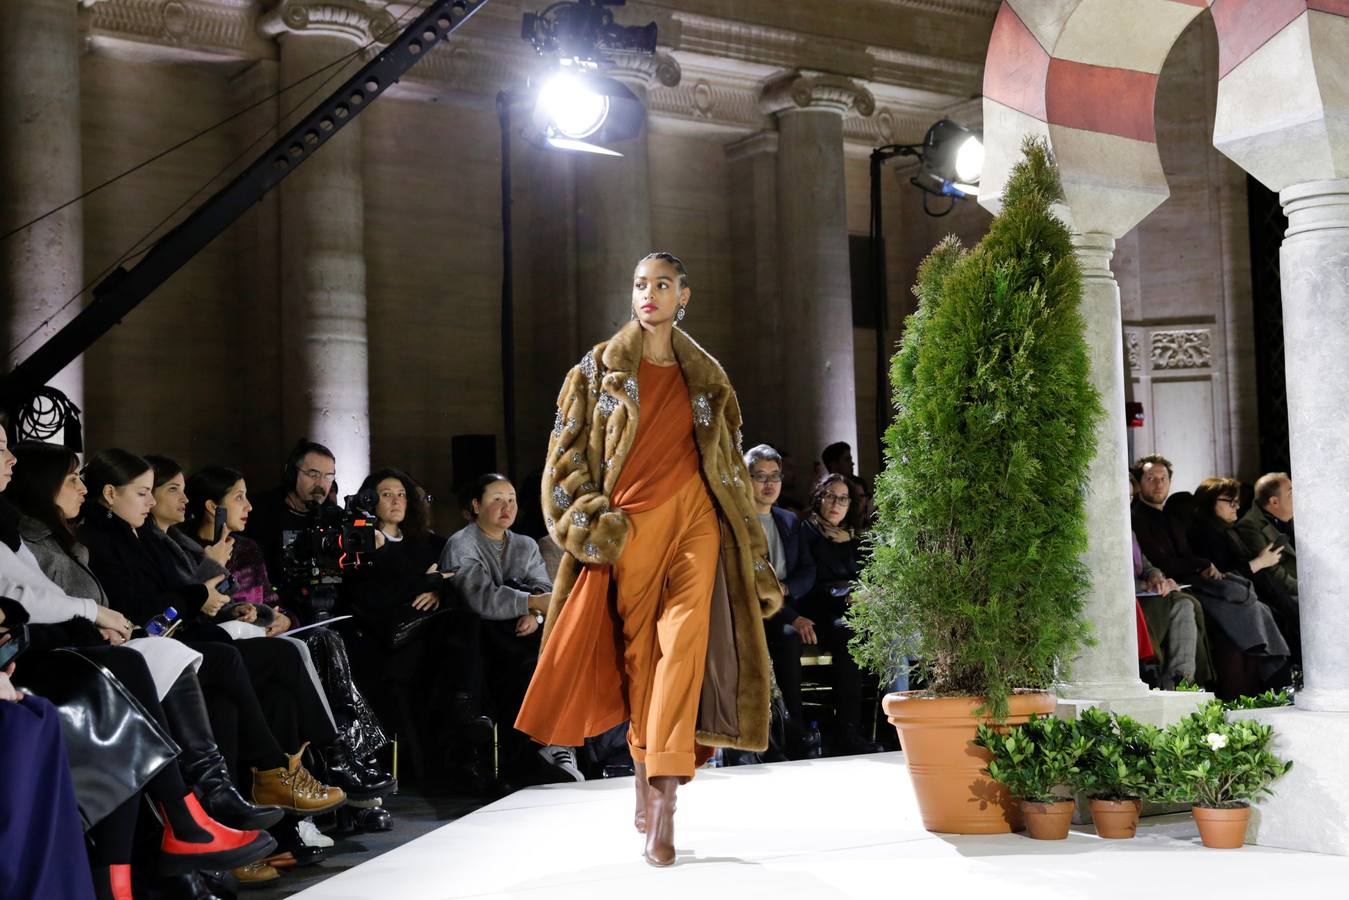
316	475
392	507
235	506
171	500
497	507
132	502
1154	485
656	295
767	478
70	495
835	502
1281	504
1225	508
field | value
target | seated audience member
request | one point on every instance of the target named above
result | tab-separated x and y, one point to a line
788	629
1213	533
1175	621
501	581
1249	651
308	480
1270	521
837	459
838	560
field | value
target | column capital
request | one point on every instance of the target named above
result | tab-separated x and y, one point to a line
354	20
643	71
1315	206
816	90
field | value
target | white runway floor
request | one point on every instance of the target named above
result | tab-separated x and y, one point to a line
818	829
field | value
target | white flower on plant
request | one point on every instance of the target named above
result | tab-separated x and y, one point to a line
1216	741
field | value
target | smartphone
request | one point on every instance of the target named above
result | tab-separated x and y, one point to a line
220	521
12	643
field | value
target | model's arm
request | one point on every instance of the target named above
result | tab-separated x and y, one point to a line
575	502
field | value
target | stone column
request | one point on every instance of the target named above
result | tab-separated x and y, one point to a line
1109	670
40	168
613	209
325	351
815	280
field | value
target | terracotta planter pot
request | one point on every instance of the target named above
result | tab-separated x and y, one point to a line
1222	829
937	736
1115	819
1047	821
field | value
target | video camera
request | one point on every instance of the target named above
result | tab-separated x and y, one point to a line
332	543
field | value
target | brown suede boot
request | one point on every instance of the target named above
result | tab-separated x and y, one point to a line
639	817
660	805
292	788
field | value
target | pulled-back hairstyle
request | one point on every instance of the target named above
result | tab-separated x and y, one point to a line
114	466
211	483
478	488
673	260
418	518
38	475
165	469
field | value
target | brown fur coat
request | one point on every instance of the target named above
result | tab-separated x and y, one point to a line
598	411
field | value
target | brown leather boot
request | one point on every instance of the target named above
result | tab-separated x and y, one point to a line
639	817
660	805
256	875
292	788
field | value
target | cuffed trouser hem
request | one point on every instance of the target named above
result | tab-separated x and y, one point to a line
676	763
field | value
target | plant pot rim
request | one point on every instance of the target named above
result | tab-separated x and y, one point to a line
1114	799
1236	805
962	706
1057	801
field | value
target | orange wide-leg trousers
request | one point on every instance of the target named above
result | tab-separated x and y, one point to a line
664	589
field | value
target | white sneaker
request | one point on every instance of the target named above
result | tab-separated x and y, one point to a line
310	835
562	758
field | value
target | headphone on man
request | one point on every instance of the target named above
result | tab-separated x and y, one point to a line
303	447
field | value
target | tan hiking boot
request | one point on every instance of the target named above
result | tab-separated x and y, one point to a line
293	788
255	875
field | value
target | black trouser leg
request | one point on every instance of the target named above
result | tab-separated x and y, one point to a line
508	665
223	674
277	670
111	840
784	648
846	677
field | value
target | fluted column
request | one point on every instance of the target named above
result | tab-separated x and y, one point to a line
40	168
815	283
613	209
325	349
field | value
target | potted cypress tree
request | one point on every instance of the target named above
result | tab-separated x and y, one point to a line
975	567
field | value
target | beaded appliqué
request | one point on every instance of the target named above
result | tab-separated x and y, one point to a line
561	499
591	551
588	488
630	388
557	424
702	410
578	460
607	404
580	519
572	424
760	565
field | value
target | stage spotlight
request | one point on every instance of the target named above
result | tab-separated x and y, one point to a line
581	110
953	158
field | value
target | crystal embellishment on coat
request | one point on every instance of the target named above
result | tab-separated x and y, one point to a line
630	388
591	551
591	372
580	519
607	404
561	499
702	410
557	424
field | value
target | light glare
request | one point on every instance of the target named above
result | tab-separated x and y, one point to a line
970	160
573	109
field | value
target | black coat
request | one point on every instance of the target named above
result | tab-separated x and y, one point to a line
137	584
800	564
1163	539
396	574
837	565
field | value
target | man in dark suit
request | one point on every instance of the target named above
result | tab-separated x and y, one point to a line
1270	521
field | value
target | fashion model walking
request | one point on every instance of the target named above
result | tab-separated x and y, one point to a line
656	609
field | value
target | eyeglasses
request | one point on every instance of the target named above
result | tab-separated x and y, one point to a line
316	475
766	479
836	499
1230	501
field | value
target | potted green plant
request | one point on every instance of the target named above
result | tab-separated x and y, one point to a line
1036	763
975	551
1118	771
1219	767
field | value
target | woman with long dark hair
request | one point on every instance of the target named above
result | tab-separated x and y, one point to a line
645	489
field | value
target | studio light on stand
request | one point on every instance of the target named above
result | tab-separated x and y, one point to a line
580	110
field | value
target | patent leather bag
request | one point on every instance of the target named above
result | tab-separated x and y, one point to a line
113	744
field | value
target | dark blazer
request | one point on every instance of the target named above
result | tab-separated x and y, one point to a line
800	564
396	573
137	585
1164	542
837	565
1257	530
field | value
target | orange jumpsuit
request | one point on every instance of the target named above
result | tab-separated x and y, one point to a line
661	601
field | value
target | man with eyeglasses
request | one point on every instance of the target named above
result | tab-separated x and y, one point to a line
282	512
787	630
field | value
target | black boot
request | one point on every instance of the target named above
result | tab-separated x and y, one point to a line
192	886
359	780
202	765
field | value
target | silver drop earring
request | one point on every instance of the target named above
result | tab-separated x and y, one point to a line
679	316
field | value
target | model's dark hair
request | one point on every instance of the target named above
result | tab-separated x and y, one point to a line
418	518
211	483
38	475
165	469
478	488
672	260
114	466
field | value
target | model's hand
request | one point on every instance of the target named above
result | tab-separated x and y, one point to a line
526	625
806	628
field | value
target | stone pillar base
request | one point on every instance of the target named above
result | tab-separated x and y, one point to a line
1160	708
1310	809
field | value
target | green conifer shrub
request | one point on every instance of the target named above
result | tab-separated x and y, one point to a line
975	565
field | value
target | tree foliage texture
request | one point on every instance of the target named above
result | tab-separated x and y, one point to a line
975	566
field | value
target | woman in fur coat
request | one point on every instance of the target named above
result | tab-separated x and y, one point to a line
656	610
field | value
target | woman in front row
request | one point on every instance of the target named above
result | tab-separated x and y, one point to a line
645	489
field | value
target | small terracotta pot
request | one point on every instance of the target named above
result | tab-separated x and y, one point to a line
1115	818
1222	829
1047	821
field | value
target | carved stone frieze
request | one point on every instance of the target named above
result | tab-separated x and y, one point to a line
1133	351
817	90
211	25
1182	349
646	70
356	20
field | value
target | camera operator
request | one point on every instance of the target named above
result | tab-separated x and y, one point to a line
280	514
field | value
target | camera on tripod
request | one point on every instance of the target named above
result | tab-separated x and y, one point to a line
333	542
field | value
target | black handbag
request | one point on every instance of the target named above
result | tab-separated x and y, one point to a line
397	626
113	744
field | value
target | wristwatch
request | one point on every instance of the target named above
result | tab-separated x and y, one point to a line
538	617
